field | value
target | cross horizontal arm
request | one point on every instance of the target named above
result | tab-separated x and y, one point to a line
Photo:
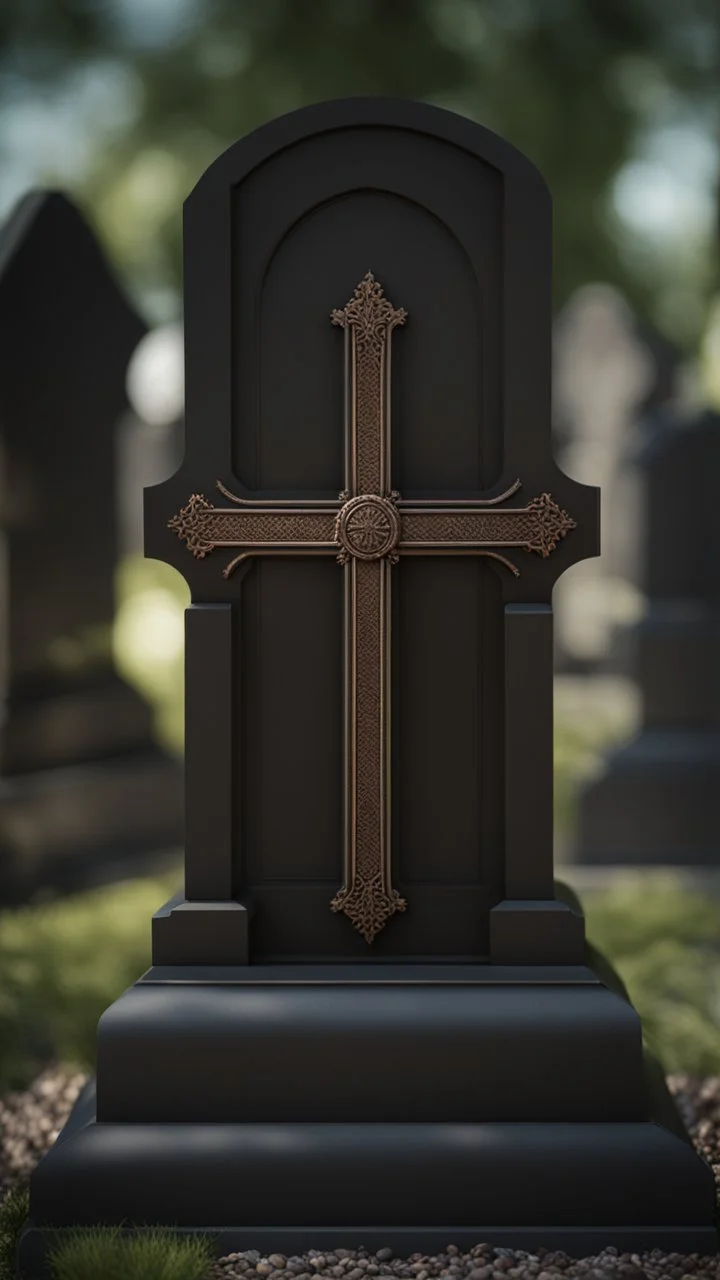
255	527
326	528
538	527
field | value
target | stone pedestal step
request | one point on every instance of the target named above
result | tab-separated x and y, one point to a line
392	1051
413	1186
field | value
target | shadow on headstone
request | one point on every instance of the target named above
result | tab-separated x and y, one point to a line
85	792
657	799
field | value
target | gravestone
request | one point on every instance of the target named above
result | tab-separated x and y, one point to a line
655	802
607	372
370	1020
85	793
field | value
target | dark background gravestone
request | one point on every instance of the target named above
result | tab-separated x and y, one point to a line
370	1019
85	792
656	801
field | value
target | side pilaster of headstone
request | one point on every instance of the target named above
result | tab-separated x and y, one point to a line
206	924
656	799
531	925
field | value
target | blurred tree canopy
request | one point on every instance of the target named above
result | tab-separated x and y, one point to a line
574	84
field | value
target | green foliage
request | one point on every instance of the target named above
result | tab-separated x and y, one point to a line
13	1212
577	86
664	942
650	907
591	718
577	749
149	640
157	1254
61	964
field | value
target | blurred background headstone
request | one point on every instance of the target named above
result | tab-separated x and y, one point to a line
656	802
606	374
86	794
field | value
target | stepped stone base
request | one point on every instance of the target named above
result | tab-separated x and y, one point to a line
294	1107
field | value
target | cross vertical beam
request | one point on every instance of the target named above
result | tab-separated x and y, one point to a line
367	526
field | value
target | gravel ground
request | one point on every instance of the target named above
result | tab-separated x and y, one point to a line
30	1121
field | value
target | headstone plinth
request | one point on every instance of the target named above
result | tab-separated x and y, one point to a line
370	1021
85	791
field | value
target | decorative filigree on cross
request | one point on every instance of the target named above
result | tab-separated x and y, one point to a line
368	528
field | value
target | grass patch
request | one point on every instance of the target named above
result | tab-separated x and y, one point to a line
664	942
13	1212
591	719
61	965
158	1254
148	640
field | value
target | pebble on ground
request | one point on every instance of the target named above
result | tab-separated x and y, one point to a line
31	1120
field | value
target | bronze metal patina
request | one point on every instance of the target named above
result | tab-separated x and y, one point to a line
368	527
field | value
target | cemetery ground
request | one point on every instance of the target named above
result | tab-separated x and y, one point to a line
63	962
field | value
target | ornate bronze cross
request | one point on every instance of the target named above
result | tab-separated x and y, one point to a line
367	529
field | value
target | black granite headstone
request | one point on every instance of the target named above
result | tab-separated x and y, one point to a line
84	791
656	801
371	1020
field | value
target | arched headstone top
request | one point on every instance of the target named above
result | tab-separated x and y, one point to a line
324	118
